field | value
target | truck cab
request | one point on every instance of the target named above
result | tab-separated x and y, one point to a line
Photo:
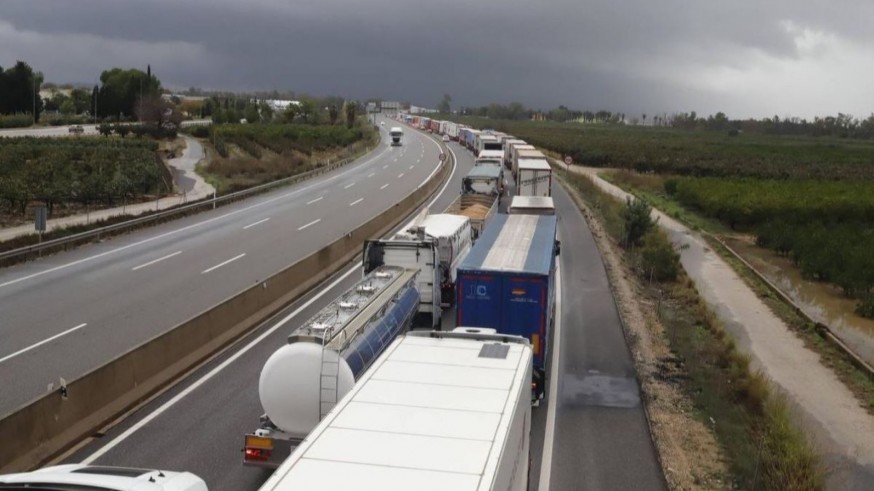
396	134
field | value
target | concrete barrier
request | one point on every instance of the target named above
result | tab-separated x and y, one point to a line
51	424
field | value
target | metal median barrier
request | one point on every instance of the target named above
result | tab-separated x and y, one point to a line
51	424
179	210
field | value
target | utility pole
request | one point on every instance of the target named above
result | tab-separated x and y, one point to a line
34	98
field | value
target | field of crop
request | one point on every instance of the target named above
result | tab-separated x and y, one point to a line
696	152
252	154
284	138
80	171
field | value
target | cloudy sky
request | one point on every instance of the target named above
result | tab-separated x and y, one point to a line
745	57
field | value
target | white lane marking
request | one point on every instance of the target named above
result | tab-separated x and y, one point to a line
348	185
385	166
247	227
219	265
383	186
400	175
412	166
215	371
549	434
44	341
371	174
359	200
168	256
317	220
189	227
320	198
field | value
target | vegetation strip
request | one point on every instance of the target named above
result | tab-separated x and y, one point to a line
764	449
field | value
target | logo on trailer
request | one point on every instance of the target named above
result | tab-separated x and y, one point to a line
518	291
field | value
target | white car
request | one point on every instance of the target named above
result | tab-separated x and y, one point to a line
382	123
446	138
102	478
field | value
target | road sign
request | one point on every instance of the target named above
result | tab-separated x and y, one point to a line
442	157
40	219
568	160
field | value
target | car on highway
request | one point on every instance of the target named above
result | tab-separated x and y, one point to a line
76	129
446	138
82	477
382	123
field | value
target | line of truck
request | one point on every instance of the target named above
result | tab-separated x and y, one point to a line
425	408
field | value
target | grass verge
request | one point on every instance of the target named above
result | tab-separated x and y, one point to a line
651	189
765	450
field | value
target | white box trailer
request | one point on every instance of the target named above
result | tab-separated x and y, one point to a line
534	178
452	130
508	150
531	205
524	152
436	412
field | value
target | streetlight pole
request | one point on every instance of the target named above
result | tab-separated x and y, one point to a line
34	99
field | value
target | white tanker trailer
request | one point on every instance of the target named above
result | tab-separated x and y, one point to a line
303	380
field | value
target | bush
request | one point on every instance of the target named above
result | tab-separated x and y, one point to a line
658	259
637	220
198	131
866	307
15	120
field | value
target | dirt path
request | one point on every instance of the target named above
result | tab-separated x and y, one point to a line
842	429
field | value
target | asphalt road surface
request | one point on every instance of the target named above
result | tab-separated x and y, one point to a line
67	314
600	438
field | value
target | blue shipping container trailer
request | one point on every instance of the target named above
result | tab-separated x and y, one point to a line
507	283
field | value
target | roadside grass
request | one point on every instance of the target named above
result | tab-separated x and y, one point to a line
752	423
651	189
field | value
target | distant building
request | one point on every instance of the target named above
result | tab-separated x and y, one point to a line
279	105
421	110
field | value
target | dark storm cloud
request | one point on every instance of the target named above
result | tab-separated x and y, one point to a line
631	55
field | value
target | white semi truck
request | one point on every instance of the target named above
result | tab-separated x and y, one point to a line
434	244
396	135
303	380
437	411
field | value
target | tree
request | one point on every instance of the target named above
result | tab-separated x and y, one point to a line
19	90
444	105
290	112
68	107
333	114
636	220
122	90
251	114
81	100
307	110
351	110
266	112
105	129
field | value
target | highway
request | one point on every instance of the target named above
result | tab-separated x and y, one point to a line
67	314
202	431
600	439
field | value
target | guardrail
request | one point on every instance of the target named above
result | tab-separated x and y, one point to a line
51	424
178	210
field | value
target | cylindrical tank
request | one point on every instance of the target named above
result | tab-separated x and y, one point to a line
290	382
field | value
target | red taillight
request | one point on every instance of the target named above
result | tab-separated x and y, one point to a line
257	454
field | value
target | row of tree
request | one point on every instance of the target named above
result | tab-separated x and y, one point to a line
120	94
748	203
